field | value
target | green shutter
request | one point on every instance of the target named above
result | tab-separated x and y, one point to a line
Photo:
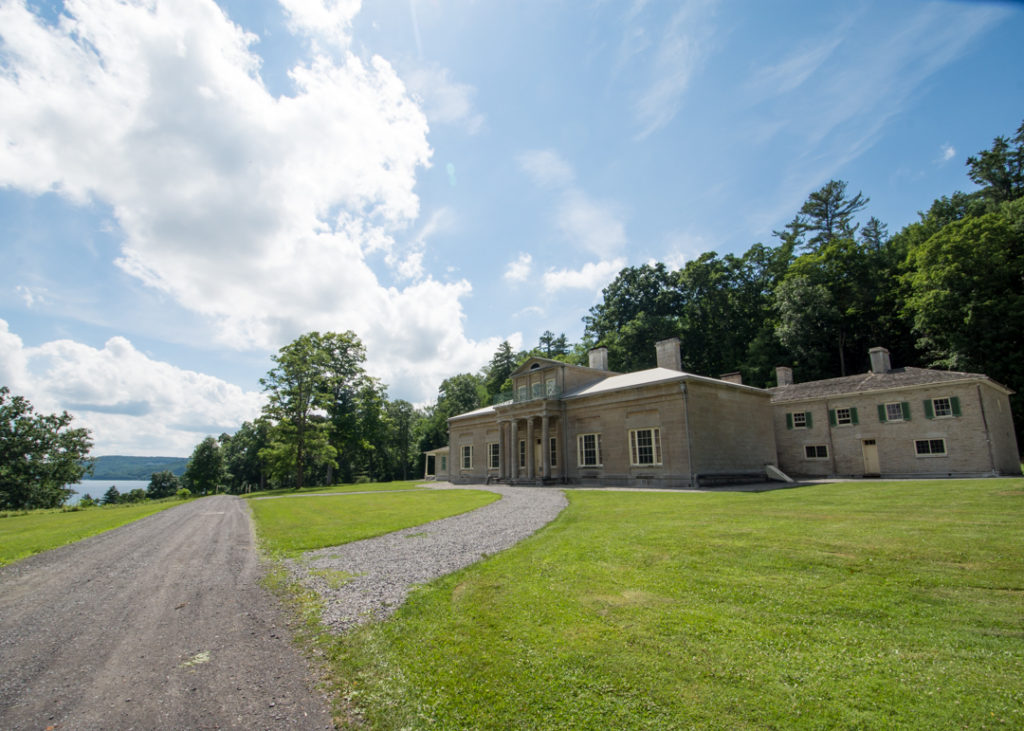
928	413
881	413
906	410
832	417
789	421
954	401
807	415
853	415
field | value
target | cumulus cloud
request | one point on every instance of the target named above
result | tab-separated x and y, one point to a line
128	401
258	212
592	276
948	152
519	270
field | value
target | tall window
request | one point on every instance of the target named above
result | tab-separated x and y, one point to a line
553	451
551	386
493	456
588	450
522	453
645	446
467	456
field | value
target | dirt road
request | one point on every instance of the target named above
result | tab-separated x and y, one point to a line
161	624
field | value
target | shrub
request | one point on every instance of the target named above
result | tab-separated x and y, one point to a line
87	501
183	493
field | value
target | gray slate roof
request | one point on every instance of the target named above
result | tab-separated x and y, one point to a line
865	382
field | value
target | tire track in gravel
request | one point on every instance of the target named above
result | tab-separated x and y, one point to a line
161	623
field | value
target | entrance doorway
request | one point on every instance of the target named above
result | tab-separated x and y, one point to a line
870	451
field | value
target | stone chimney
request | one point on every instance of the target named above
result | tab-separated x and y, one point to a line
783	376
880	360
599	358
668	354
734	377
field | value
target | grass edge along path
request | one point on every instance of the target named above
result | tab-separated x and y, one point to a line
24	535
854	605
340	489
287	527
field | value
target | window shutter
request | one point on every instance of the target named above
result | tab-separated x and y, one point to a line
955	403
853	415
906	410
928	412
881	413
832	417
807	416
789	421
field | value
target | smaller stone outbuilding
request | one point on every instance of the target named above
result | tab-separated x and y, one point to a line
894	422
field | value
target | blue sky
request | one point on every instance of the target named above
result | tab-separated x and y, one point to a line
186	186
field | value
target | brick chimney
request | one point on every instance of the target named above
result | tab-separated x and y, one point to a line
734	377
668	354
599	358
880	362
783	376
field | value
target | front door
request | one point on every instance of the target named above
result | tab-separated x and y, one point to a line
870	449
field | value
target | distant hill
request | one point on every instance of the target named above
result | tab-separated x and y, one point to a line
136	468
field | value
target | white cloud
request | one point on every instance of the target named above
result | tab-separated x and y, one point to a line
254	211
519	270
329	20
593	276
590	225
547	168
132	404
683	247
791	72
679	54
445	101
948	152
32	297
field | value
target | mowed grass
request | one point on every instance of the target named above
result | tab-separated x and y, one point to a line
361	487
23	535
290	525
857	605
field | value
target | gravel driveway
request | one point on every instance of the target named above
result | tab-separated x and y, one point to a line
160	624
379	572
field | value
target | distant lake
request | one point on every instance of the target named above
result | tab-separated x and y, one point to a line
96	488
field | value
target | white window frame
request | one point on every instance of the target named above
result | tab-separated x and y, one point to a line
815	447
848	420
948	409
467	456
799	419
894	411
929	442
654	434
581	450
493	456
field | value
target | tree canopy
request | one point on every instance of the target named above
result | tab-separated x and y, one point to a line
40	454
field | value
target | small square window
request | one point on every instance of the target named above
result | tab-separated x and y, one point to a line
799	419
930	447
941	407
645	446
894	411
816	451
844	416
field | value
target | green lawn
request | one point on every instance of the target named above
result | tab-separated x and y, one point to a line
856	605
291	525
363	487
25	534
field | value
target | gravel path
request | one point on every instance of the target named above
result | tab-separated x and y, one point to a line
158	624
386	567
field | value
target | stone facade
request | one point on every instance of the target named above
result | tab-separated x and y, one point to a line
665	427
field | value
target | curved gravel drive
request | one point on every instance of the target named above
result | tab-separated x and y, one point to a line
385	568
159	624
